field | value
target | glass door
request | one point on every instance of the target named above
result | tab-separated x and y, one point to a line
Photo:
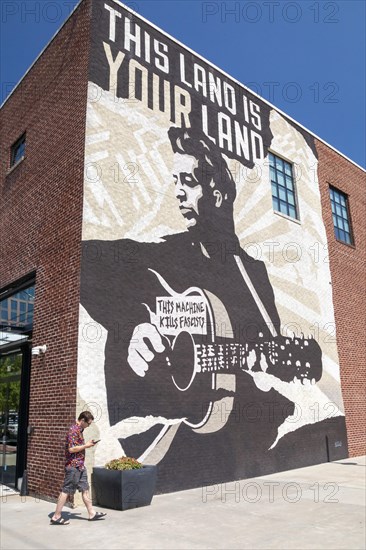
10	387
16	324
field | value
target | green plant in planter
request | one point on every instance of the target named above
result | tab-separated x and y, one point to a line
124	463
124	483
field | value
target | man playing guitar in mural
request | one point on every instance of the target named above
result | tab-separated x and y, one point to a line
200	348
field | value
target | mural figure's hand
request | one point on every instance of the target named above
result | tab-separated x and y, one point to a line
145	338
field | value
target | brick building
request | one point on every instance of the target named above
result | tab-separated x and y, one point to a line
129	289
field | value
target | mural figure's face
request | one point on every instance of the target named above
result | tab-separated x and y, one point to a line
188	190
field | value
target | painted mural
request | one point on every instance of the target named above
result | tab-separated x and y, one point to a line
207	338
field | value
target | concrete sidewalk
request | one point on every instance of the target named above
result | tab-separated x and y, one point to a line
317	507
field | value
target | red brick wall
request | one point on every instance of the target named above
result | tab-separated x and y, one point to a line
347	266
40	228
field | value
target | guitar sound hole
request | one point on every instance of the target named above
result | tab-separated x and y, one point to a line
182	360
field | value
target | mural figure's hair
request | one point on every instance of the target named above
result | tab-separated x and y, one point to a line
212	168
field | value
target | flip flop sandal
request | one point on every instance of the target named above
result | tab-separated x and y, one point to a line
59	521
98	515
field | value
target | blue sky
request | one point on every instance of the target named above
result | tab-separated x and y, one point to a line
306	57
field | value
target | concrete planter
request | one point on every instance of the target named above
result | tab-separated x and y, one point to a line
123	489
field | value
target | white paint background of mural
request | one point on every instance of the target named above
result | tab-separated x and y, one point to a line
128	181
129	193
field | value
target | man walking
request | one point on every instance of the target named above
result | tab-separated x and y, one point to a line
75	472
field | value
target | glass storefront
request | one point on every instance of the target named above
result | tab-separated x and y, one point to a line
10	379
16	323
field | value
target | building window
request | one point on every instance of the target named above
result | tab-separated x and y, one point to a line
283	187
17	151
341	216
16	312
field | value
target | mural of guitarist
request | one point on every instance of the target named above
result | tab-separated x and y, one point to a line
198	361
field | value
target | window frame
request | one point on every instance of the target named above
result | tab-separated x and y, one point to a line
296	219
348	220
14	149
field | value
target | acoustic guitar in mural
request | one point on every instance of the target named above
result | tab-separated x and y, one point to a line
203	366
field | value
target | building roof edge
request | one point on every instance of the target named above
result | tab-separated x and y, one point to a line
127	8
41	53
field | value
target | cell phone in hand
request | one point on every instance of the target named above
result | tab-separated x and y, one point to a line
97	441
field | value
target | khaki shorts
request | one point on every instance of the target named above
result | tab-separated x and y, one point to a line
75	479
